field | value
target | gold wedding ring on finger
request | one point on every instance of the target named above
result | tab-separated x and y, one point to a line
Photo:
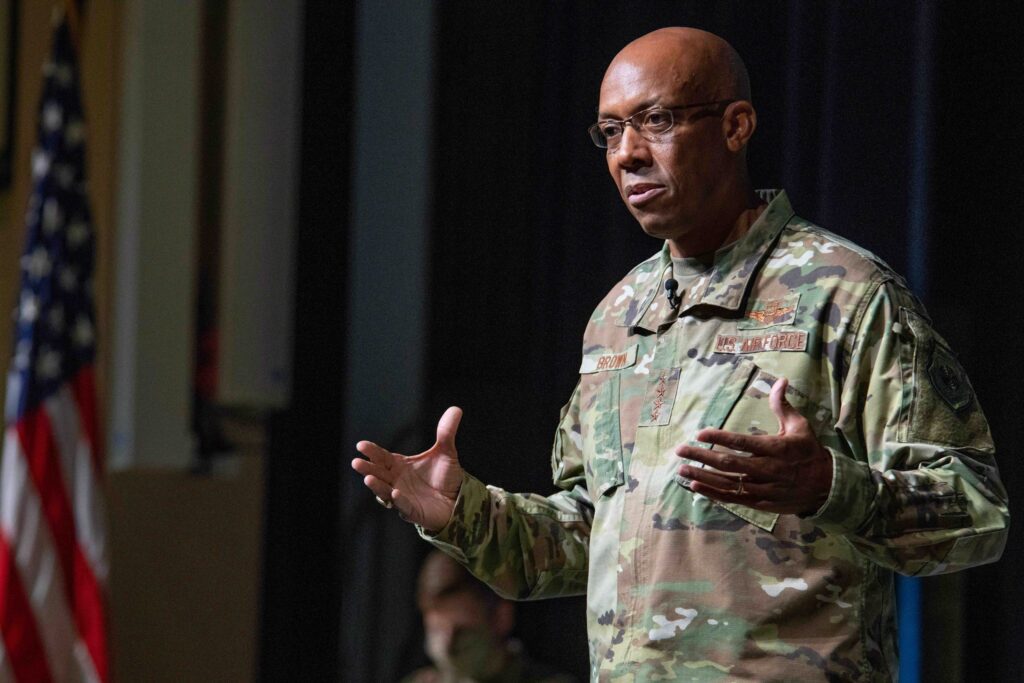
739	485
386	503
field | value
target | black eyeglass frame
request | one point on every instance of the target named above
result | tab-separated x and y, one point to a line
600	140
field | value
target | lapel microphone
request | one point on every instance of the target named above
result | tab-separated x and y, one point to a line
670	291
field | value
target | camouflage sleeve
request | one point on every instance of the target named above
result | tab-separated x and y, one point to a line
523	545
917	487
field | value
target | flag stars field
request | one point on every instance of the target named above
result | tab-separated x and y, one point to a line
38	264
29	309
78	233
65	175
49	363
63	75
83	333
22	355
53	217
67	278
40	165
53	117
55	319
74	133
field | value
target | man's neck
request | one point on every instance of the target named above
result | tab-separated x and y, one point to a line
727	226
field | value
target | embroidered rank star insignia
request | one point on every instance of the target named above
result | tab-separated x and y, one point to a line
772	311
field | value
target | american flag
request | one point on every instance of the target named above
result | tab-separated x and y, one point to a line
53	539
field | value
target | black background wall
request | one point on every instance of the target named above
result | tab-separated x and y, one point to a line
894	124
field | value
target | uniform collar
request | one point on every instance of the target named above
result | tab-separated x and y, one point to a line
724	288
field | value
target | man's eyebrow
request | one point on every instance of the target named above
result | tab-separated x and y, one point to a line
646	104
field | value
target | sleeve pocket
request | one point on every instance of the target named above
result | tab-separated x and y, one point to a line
942	409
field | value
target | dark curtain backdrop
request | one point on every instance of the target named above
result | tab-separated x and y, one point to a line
302	540
891	123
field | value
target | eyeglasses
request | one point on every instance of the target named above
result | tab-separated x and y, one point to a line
652	124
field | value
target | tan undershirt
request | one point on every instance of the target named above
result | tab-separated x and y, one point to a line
687	269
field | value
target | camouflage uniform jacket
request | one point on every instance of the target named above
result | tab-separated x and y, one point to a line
682	588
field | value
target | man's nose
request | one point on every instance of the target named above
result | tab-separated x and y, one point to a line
632	151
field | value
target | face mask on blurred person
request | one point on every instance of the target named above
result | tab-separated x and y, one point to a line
471	653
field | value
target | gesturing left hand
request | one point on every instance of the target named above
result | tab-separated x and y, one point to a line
788	473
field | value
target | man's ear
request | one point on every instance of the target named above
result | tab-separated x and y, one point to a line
738	124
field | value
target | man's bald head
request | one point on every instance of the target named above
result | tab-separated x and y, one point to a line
686	182
705	67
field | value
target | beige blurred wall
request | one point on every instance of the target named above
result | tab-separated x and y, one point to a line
185	550
185	571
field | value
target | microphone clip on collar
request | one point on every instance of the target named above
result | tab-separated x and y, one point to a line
671	287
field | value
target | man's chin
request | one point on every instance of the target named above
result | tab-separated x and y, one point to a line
667	231
656	229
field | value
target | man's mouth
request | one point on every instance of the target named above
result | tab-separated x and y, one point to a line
641	193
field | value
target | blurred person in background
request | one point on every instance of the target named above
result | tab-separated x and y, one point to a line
468	631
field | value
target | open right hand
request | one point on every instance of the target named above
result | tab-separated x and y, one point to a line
423	487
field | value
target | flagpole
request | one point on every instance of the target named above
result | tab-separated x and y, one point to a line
74	24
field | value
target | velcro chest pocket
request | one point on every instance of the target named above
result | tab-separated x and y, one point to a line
599	418
741	405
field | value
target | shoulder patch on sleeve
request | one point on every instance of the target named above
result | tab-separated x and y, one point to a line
941	407
949	378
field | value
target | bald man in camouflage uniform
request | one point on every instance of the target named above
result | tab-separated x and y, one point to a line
746	460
